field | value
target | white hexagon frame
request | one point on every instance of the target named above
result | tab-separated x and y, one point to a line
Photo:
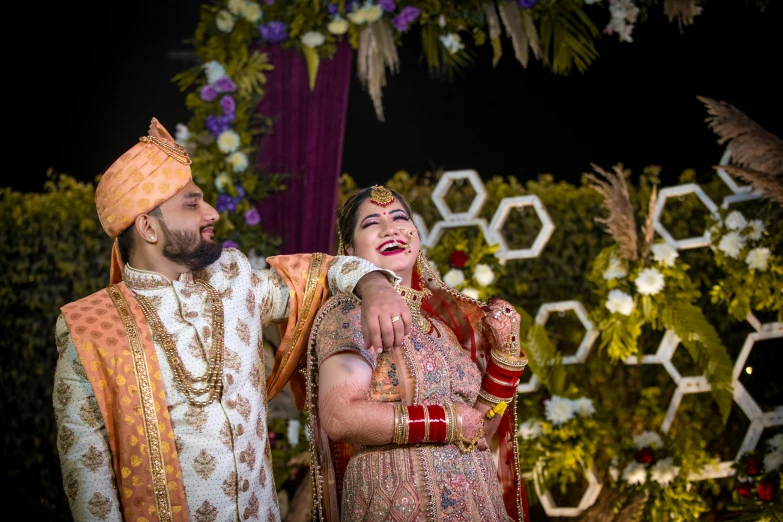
758	419
682	190
440	227
421	226
443	186
726	177
590	335
588	498
499	219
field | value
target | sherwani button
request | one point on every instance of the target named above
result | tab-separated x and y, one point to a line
242	457
231	403
245	485
230	379
240	429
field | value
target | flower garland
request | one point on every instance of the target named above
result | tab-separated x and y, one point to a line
745	252
563	443
655	467
650	285
758	495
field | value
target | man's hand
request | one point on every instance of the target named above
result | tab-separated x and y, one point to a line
386	319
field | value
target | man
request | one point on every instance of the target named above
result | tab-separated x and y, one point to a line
159	390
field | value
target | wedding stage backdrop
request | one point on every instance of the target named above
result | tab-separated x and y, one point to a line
651	392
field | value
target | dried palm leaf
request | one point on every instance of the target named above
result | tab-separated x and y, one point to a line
770	187
376	52
633	511
512	21
751	145
683	10
493	22
621	223
756	154
649	229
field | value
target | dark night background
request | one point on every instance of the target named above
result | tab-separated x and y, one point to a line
104	69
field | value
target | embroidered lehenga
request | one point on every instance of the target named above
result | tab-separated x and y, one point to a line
438	363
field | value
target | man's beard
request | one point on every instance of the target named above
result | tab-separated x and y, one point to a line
189	249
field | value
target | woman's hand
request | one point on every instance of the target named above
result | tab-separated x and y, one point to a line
503	320
472	422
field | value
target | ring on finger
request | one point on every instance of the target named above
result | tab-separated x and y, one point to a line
396	318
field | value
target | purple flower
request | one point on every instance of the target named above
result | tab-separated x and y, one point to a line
387	5
410	13
230	244
274	31
208	93
228	104
400	23
218	124
225	203
269	2
225	84
526	4
252	217
332	9
348	6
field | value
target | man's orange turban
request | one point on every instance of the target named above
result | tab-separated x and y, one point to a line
148	174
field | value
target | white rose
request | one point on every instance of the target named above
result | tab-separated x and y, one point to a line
615	270
483	274
665	254
776	442
252	12
772	461
664	471
452	42
559	410
530	429
238	161
648	438
293	431
470	292
735	220
454	278
649	281
235	6
373	13
338	25
222	181
757	258
182	134
224	21
214	71
731	244
584	407
228	141
313	39
620	302
634	473
756	229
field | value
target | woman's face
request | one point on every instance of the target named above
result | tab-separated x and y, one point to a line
387	237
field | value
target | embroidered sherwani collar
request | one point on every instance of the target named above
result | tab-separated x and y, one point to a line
136	279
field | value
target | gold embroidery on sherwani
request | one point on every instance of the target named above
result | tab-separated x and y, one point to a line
99	506
149	418
204	464
206	512
66	439
63	393
93	459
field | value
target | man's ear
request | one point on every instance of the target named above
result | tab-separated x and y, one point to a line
147	228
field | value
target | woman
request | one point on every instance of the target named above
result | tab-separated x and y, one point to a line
402	435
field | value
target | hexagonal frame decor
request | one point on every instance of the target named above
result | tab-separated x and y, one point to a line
443	186
437	231
421	226
499	219
681	190
726	177
588	498
590	335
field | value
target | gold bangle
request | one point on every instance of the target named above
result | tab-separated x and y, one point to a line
405	424
508	362
450	422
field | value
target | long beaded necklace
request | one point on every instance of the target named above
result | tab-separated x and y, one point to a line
188	384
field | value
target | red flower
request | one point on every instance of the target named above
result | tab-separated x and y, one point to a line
765	491
458	258
753	465
744	489
644	455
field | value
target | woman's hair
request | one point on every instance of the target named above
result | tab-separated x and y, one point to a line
349	213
